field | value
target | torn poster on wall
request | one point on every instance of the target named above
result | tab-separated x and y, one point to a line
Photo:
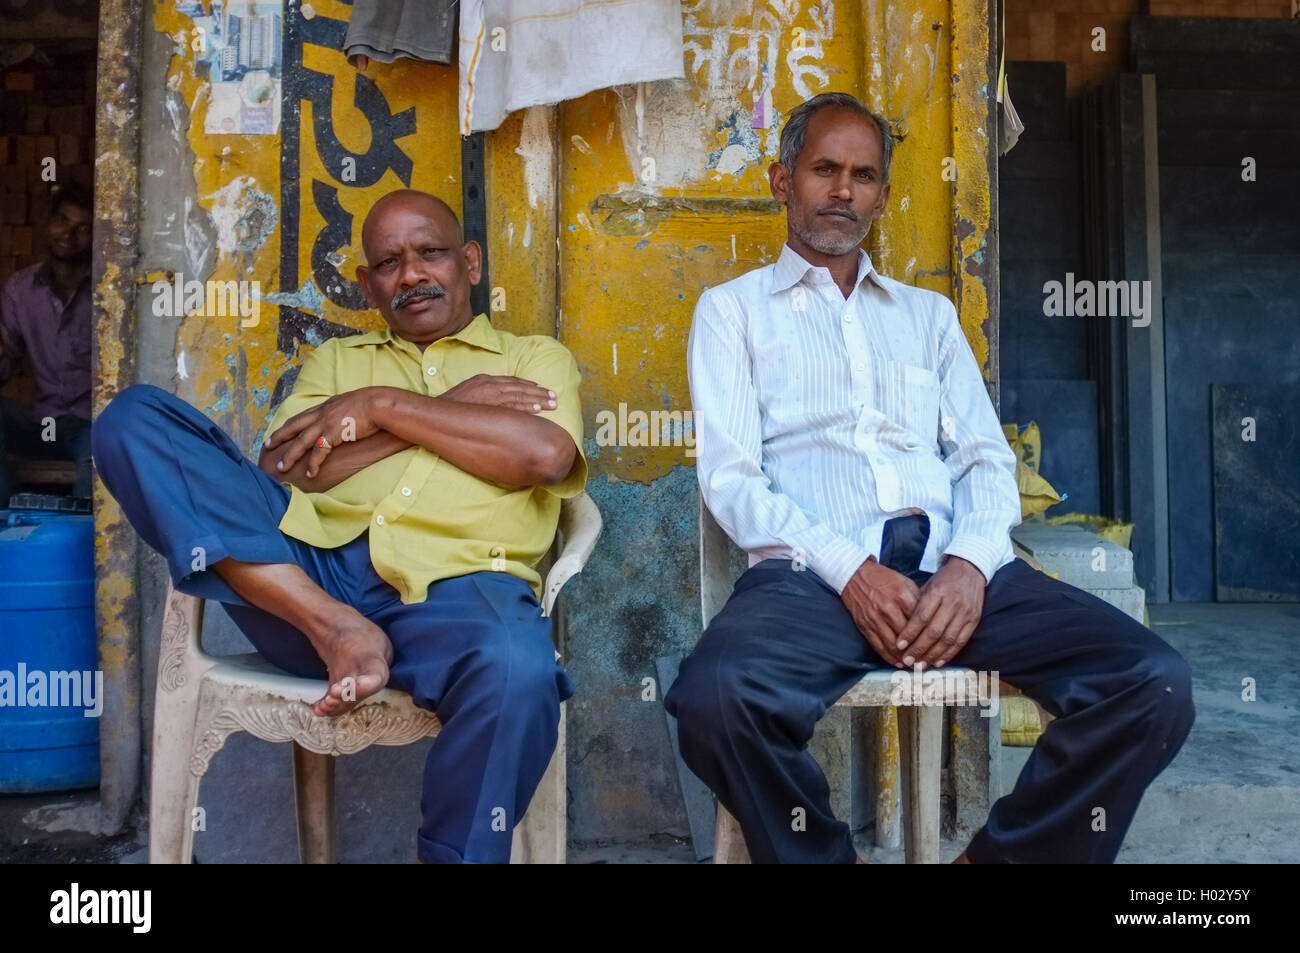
239	43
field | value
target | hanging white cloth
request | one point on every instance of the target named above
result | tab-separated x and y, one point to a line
519	53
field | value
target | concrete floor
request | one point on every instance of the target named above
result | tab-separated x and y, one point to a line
1231	796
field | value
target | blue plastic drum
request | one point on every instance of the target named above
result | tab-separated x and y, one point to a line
51	689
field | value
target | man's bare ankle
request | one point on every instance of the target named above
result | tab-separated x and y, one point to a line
332	621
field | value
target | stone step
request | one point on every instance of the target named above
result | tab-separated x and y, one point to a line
1076	556
1132	601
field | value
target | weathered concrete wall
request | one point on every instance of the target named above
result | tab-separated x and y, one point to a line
607	217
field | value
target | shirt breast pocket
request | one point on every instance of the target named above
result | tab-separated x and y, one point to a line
918	391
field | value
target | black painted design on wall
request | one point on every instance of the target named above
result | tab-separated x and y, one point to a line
300	85
337	231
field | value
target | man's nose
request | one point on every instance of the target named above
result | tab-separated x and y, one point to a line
843	187
413	273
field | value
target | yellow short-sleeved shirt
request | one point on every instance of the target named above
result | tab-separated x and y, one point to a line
428	519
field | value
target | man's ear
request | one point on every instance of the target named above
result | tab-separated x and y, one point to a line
882	200
778	179
363	278
473	253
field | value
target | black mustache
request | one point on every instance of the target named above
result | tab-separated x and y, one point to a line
432	291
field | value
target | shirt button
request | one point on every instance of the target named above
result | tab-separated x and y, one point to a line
848	319
432	371
406	491
379	520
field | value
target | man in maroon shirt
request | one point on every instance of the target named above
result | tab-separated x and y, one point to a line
45	316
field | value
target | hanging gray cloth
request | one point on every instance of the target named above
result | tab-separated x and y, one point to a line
383	30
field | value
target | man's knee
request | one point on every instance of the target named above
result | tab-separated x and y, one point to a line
1167	681
717	694
515	671
130	410
692	698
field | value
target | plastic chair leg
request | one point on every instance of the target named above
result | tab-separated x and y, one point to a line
173	789
313	796
541	836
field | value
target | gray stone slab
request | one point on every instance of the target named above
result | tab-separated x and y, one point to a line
1256	501
1046	221
1033	346
1131	601
1076	556
1252	217
1215	337
1226	109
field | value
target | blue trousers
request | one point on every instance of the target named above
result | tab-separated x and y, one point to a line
784	649
477	651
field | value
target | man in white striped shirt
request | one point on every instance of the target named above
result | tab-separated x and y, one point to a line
846	442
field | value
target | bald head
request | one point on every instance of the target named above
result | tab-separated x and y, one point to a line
419	269
409	200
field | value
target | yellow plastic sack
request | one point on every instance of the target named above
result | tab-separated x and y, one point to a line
1021	723
1036	494
1028	443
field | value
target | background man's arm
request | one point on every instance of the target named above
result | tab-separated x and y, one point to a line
11	342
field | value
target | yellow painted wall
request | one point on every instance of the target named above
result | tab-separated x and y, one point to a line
653	191
659	190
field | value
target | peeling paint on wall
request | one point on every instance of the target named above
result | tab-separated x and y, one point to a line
244	216
538	153
345	139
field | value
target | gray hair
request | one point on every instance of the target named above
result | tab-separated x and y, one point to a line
795	131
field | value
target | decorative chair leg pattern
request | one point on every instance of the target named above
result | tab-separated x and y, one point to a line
174	790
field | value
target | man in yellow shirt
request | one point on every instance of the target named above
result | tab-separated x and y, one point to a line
391	528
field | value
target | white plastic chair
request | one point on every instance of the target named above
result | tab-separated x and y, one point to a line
920	729
203	699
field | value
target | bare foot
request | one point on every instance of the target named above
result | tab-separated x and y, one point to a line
962	858
357	654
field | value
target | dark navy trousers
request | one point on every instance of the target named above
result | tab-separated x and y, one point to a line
784	649
477	651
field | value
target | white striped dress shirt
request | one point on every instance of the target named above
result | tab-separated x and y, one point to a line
818	418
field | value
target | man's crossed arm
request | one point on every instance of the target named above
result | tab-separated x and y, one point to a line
484	425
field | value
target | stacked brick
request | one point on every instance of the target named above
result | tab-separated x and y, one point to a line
44	114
